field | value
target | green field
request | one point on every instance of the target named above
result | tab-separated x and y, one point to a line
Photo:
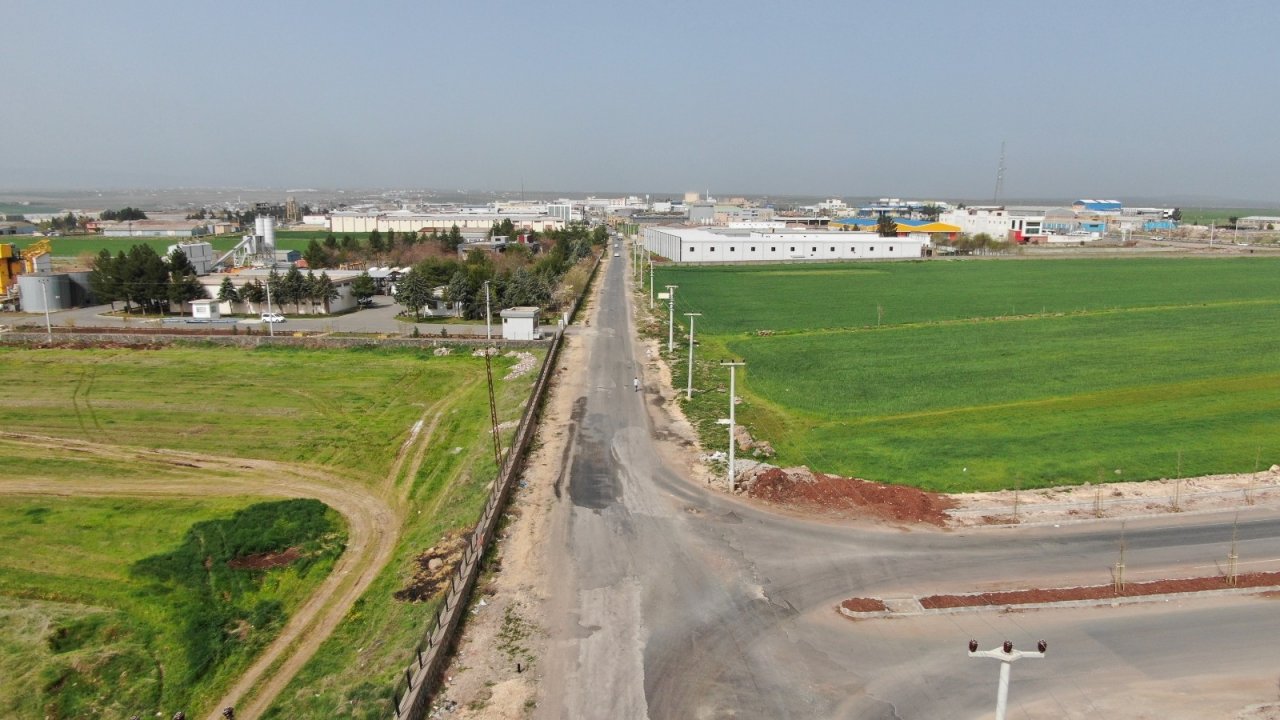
979	375
75	246
107	608
1221	216
82	561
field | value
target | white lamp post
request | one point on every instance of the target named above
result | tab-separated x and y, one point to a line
688	393
1006	655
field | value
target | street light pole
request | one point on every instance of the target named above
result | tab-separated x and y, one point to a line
1006	655
650	283
671	319
733	401
688	393
271	327
488	315
44	290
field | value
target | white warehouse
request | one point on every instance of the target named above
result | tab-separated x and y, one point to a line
698	245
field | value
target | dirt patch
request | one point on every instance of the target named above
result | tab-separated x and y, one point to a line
433	567
265	561
846	497
1100	592
864	605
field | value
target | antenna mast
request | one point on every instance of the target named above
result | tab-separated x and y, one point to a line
1000	177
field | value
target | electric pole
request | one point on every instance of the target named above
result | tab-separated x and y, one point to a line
671	316
650	282
733	400
271	326
688	393
488	316
1006	655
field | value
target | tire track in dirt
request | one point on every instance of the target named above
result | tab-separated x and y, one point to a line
372	533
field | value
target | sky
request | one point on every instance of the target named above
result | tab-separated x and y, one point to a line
846	98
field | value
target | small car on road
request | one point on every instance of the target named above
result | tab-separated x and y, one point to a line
272	317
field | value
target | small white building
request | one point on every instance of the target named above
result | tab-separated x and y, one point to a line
206	310
520	323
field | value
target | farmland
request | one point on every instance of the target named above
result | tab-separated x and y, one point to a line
121	459
980	375
75	246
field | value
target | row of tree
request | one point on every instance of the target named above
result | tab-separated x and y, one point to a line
521	280
124	213
292	288
141	277
332	252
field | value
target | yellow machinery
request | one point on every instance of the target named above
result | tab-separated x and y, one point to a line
14	262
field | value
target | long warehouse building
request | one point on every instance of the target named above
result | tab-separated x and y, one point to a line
698	245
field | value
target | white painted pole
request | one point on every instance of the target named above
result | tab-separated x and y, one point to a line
271	327
1006	655
44	289
488	315
733	401
671	319
650	283
688	393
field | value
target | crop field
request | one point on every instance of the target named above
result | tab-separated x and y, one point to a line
76	246
139	481
983	375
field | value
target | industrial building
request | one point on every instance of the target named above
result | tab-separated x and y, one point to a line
905	227
714	245
155	228
403	221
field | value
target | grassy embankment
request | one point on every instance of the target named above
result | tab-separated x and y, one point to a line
977	375
344	412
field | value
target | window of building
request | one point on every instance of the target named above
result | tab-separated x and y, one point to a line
833	248
793	248
713	248
773	248
813	249
890	248
753	248
731	248
873	248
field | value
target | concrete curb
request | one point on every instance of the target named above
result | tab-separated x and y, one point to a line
1003	607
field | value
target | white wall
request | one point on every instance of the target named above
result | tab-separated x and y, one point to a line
700	246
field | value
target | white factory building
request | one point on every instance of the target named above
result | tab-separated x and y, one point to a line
699	245
402	221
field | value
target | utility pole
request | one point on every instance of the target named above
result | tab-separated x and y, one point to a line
688	393
733	401
650	283
1006	655
49	326
671	319
488	316
271	327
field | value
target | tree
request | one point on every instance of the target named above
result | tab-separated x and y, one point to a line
326	292
454	240
315	255
349	243
1176	215
275	290
414	292
330	242
183	288
104	278
886	227
362	288
254	293
180	264
375	242
525	288
227	292
461	293
293	288
145	277
931	211
129	213
389	242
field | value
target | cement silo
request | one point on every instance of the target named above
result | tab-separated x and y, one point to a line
44	291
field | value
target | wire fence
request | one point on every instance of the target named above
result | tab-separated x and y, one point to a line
416	683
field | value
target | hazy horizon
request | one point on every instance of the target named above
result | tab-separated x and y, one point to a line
1142	99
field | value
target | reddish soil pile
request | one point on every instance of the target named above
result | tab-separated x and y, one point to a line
263	561
434	566
1100	592
832	494
863	605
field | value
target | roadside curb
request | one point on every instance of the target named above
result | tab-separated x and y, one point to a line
910	607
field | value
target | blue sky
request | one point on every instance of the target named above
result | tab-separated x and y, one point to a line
1120	98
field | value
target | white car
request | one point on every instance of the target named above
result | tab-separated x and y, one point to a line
271	317
617	255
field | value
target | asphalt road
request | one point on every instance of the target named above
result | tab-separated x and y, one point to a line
669	601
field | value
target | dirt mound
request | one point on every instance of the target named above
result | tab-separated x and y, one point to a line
863	605
434	566
264	561
1101	592
842	496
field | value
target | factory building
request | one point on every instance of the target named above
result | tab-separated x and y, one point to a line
697	245
362	222
155	228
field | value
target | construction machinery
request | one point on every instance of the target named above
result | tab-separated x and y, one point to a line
15	262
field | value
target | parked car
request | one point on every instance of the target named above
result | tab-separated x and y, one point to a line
272	317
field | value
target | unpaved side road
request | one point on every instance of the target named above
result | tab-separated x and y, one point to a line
373	528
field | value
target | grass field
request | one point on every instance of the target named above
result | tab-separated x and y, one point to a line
89	628
75	246
977	375
342	412
1221	216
